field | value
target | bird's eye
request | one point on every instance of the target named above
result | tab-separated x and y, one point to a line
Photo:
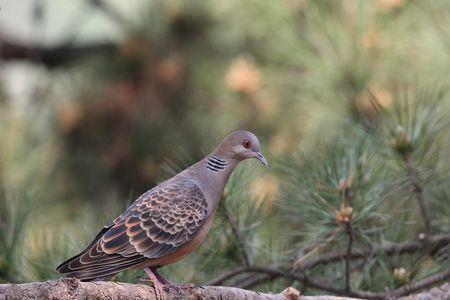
246	144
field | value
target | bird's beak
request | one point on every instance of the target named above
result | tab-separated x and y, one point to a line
261	158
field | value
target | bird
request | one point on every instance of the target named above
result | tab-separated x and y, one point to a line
167	222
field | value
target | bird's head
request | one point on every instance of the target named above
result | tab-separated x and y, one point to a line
241	145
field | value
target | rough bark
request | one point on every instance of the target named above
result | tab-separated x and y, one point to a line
71	289
442	292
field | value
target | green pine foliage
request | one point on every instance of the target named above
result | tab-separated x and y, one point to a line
373	179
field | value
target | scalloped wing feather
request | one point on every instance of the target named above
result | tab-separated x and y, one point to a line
157	224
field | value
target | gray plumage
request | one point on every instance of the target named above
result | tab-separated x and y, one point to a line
168	221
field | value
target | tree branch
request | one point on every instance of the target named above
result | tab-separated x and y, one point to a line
422	284
226	275
237	233
404	290
52	56
430	243
72	289
440	292
417	190
252	281
348	255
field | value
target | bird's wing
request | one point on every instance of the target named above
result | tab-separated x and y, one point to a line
159	222
156	224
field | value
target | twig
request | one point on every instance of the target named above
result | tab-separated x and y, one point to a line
276	272
422	284
245	282
237	233
252	281
438	292
226	275
348	194
417	190
322	286
432	242
348	255
309	251
313	283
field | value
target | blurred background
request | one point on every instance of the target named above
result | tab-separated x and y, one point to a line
101	100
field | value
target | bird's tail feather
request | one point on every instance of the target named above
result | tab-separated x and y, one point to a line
92	264
104	273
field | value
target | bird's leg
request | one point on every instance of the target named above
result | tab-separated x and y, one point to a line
163	279
161	283
157	281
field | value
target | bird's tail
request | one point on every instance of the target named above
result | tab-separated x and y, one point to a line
93	264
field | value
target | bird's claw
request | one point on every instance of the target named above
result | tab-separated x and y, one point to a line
179	287
143	279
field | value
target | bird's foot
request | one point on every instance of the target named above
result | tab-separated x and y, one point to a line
178	288
162	284
155	279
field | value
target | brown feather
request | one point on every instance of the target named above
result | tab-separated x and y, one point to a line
155	225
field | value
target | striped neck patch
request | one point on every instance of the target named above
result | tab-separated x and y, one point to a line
215	163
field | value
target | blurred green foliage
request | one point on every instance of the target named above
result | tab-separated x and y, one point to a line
340	93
